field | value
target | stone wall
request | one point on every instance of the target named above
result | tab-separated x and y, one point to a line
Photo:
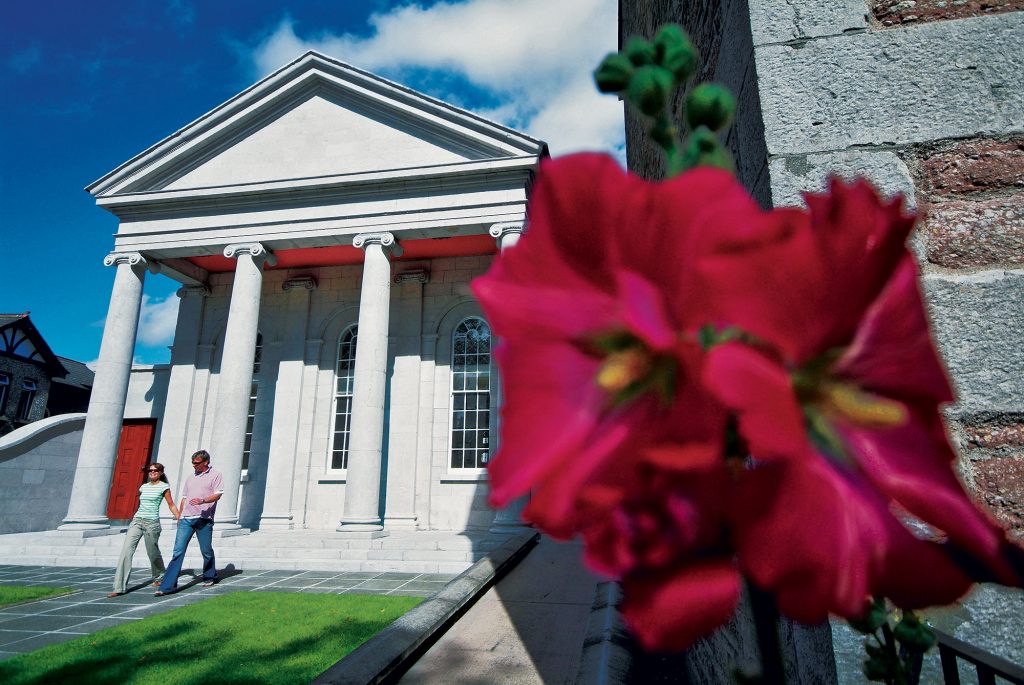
37	468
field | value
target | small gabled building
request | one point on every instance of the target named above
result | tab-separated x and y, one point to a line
324	225
28	368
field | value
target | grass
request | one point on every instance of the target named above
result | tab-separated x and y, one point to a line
242	637
16	594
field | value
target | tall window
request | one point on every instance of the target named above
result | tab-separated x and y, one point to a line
28	396
471	396
5	384
253	391
344	381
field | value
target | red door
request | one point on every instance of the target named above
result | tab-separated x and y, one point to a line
133	452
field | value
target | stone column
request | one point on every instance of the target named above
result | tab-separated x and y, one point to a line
403	407
284	433
362	488
227	441
178	406
87	509
511	517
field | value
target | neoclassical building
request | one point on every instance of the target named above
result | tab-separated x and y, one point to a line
324	225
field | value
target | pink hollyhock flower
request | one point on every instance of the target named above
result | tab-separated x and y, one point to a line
661	525
837	392
589	309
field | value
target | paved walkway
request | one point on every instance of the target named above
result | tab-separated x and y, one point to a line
30	626
527	629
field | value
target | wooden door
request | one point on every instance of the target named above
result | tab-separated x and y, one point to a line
133	451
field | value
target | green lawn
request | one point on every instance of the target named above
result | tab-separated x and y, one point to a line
242	637
16	594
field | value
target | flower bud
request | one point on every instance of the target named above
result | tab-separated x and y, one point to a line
711	105
701	149
639	51
674	51
913	634
875	615
613	74
663	133
649	89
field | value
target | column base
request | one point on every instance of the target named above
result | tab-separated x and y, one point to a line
343	533
400	522
88	530
276	522
359	525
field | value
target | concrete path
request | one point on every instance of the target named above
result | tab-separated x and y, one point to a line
528	628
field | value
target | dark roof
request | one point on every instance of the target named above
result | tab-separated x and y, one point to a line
79	375
10	318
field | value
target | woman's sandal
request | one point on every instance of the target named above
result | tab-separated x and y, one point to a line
114	594
158	594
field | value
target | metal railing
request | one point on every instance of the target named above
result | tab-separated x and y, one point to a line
988	666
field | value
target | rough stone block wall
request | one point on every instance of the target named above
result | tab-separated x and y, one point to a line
894	12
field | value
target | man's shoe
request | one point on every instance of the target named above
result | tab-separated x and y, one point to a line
158	593
210	583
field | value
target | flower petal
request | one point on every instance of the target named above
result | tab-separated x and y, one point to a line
759	391
672	611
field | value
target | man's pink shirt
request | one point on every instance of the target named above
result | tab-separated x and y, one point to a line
201	485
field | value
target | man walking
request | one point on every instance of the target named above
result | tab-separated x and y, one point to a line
198	505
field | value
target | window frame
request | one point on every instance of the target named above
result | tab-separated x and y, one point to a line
23	411
5	391
479	470
352	328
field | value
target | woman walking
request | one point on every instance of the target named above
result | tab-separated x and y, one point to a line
146	523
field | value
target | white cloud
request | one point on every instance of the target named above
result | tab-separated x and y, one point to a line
534	57
157	320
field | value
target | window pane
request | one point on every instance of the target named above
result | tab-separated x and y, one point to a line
470	399
344	380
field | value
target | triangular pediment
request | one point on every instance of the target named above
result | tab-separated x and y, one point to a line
314	118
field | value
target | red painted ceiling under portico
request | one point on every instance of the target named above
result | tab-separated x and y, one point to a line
337	255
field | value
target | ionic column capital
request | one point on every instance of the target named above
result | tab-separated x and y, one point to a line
499	231
307	282
193	291
129	258
257	251
385	239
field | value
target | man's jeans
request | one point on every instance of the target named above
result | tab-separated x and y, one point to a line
203	530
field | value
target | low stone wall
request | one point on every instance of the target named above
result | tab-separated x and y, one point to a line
37	468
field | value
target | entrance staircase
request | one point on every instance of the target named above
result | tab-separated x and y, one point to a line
406	551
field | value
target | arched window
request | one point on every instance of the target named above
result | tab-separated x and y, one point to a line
471	394
253	392
344	381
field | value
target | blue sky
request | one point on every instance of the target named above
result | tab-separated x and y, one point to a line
87	86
